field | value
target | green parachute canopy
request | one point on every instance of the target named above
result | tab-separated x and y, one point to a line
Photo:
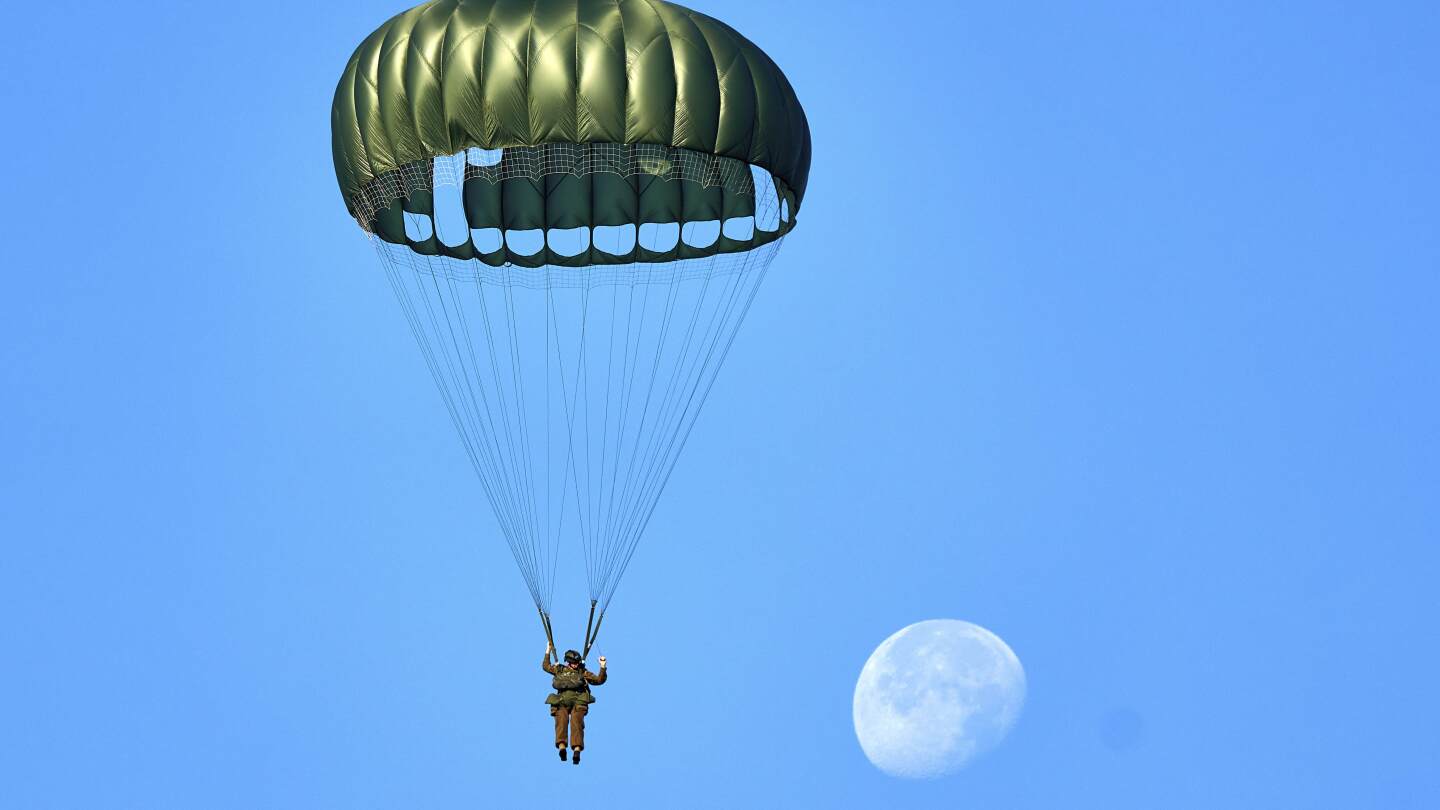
575	202
639	110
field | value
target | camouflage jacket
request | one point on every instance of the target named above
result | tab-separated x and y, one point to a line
572	686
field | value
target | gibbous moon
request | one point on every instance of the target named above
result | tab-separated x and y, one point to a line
934	695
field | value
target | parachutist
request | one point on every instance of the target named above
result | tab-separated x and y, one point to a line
571	700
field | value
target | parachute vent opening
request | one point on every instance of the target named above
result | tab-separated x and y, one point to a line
528	242
616	240
418	227
568	241
659	236
487	240
483	157
574	387
701	234
739	228
767	218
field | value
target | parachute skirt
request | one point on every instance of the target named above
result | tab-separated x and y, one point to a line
504	206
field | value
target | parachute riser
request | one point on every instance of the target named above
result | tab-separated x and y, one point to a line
590	637
549	636
589	623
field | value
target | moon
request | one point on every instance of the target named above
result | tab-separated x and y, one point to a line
934	695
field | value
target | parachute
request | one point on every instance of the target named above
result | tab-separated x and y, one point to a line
575	202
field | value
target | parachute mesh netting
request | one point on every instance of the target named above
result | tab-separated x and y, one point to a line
574	388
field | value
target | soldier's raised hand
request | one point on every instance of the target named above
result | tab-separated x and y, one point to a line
602	662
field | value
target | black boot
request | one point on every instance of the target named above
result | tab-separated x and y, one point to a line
561	749
575	757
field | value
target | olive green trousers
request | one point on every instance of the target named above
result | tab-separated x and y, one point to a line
570	720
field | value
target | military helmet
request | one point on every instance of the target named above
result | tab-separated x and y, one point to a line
572	657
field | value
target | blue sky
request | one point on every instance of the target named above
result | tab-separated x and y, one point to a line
1108	327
